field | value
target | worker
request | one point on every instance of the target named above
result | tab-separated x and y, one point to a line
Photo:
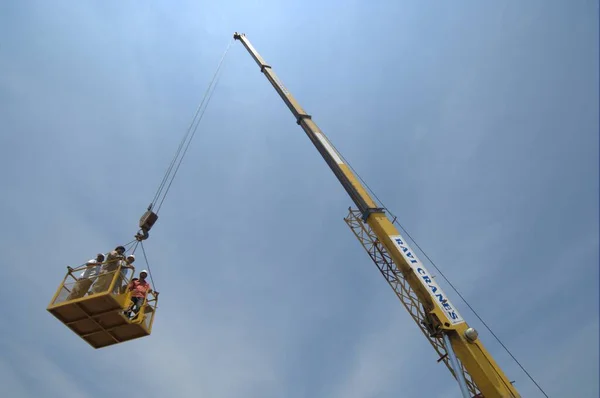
87	278
139	290
120	287
107	271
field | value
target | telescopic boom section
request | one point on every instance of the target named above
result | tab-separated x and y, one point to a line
442	317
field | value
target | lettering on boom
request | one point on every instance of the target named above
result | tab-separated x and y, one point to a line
432	287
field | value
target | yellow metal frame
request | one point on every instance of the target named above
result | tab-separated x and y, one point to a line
71	271
148	308
99	318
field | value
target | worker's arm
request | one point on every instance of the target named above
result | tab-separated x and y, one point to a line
130	284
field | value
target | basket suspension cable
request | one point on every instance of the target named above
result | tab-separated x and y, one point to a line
129	243
150	216
134	247
148	266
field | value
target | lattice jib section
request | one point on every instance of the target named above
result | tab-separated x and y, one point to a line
399	285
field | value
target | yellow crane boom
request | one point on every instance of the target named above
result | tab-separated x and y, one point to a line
477	373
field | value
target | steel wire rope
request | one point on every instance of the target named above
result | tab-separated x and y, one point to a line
189	136
395	221
148	266
210	92
170	168
129	243
135	246
181	143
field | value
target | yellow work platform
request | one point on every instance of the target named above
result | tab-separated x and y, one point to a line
99	318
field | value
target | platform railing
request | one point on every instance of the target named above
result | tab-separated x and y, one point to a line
75	287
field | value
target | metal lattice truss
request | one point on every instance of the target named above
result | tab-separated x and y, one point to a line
401	287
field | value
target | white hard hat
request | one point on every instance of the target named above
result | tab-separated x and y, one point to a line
143	272
131	256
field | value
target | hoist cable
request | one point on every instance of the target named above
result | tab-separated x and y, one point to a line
189	135
174	160
166	176
170	168
207	96
395	221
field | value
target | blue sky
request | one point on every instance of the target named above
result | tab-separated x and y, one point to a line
476	123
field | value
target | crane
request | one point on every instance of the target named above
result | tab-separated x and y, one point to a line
457	344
